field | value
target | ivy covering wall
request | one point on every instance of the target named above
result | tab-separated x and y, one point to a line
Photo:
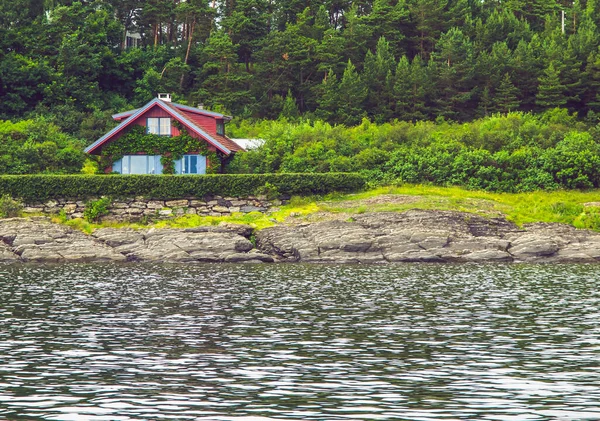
170	148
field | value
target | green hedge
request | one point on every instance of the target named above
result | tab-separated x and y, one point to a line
36	188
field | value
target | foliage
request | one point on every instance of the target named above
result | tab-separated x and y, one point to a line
269	190
95	209
36	146
511	152
9	207
568	207
35	188
384	60
171	148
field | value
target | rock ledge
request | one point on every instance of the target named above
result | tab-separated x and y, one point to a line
412	236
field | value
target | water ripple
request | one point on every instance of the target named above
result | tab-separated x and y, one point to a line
258	343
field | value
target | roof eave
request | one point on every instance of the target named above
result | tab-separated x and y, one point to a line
92	148
95	147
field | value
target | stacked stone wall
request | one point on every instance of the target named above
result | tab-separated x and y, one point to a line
138	208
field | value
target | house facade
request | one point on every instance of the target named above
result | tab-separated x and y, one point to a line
165	118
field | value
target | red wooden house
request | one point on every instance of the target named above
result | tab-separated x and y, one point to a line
158	117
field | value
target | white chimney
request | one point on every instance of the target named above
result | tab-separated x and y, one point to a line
165	97
201	106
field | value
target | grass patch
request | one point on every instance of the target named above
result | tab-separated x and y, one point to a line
565	207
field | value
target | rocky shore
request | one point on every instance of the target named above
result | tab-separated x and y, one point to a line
383	237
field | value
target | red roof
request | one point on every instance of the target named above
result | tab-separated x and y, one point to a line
224	140
188	116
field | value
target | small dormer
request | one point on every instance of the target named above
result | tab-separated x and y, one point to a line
165	97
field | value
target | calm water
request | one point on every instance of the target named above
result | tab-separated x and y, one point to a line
407	342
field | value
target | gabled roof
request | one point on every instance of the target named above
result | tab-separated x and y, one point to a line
180	107
222	143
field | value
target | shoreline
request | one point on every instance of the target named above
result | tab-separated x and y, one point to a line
414	236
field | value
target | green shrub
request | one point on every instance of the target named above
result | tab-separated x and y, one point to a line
95	209
269	190
10	208
36	188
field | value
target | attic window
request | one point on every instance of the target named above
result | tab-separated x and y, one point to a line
160	126
220	128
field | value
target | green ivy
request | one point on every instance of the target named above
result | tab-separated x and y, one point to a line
170	149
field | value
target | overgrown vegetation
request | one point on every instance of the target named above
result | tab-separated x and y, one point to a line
9	207
35	188
38	146
576	208
136	140
95	209
512	153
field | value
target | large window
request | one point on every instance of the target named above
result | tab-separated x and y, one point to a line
160	126
221	128
191	164
138	164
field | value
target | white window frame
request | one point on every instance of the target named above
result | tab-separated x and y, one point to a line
182	165
159	125
153	164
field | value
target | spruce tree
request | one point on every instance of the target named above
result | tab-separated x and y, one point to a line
328	98
410	89
378	78
485	102
454	64
290	108
351	96
403	89
551	93
526	65
591	96
505	98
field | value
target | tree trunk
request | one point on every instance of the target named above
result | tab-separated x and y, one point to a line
187	53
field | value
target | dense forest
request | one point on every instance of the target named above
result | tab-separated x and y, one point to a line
490	94
336	60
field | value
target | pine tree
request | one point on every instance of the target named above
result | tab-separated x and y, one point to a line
505	98
551	93
351	96
429	20
454	64
485	102
410	89
328	96
290	108
378	78
402	89
526	65
591	96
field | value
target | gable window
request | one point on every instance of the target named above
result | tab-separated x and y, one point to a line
138	164
160	126
191	164
221	128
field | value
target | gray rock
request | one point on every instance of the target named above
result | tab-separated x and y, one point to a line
428	236
248	209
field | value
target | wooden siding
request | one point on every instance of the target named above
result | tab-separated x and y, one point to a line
208	124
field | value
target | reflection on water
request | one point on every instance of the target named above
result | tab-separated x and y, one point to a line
409	342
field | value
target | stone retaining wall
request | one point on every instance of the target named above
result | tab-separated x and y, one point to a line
135	209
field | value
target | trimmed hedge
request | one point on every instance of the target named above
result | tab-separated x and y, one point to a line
37	188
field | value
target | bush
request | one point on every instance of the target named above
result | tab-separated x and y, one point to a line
36	188
95	209
269	190
10	208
